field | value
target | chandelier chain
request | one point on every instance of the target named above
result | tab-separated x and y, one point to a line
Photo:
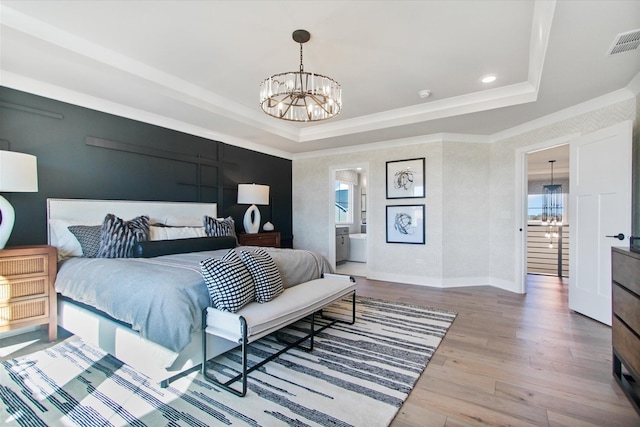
301	66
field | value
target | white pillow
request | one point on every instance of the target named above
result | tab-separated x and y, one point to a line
66	243
170	233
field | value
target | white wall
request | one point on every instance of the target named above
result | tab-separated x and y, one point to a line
470	201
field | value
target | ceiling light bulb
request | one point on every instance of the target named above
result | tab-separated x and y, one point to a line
489	79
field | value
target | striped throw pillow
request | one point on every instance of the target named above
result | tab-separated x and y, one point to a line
229	282
217	228
117	236
265	274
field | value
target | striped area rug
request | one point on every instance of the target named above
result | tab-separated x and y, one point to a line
357	375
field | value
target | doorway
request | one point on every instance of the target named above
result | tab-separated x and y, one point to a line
600	212
349	212
547	226
540	170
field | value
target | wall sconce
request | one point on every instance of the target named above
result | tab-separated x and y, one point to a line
252	194
18	173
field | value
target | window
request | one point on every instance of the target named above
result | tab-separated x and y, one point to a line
535	207
535	204
344	203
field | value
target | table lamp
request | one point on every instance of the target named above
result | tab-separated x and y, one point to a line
18	173
252	194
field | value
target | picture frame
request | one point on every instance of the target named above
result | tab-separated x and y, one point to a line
406	224
405	178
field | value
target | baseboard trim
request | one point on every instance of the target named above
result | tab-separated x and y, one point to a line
444	283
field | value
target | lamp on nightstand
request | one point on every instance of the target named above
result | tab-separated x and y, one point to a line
18	173
252	194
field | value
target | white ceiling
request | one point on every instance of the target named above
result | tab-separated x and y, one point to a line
196	66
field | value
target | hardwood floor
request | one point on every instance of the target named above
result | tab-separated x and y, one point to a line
512	360
507	360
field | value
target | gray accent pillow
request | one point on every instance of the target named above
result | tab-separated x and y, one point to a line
117	236
229	282
265	274
89	238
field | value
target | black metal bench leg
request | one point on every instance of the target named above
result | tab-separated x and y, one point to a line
244	371
353	313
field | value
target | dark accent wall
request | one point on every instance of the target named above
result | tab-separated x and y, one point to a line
83	153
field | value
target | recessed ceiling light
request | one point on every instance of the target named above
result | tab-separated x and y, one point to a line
424	93
489	79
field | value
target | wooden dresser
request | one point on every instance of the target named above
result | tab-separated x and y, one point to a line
271	238
625	327
27	293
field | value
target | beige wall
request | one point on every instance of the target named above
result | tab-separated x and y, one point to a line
465	213
470	204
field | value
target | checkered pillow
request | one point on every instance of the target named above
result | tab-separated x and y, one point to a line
265	274
89	238
228	281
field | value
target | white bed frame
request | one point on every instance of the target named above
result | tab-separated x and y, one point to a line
157	362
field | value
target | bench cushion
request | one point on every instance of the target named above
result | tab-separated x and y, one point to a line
293	304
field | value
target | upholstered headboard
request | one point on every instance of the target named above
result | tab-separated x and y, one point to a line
64	212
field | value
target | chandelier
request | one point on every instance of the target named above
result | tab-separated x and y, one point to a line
300	96
552	209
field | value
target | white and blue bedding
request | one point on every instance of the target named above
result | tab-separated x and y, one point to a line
163	297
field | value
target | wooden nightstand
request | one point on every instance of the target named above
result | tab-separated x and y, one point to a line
27	293
271	238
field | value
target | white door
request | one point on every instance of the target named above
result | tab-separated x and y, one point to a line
600	206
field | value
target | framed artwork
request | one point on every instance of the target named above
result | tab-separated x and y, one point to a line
405	224
405	179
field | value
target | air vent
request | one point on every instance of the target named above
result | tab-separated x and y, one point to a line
625	42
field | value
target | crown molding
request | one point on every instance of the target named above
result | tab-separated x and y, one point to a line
464	104
573	111
403	142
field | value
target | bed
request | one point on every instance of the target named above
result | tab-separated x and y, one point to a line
146	311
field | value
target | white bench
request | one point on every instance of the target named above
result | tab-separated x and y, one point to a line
255	320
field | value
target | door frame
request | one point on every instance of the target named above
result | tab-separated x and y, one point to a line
332	234
521	202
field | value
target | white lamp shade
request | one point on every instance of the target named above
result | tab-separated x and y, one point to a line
253	194
18	172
